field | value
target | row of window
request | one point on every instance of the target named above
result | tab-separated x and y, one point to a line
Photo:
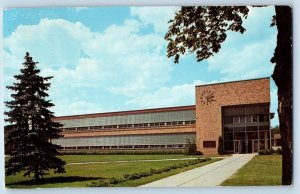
248	135
246	128
262	145
246	119
140	125
246	110
175	146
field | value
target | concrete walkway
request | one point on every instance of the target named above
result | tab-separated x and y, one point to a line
206	176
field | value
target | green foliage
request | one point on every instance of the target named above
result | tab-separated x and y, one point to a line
261	170
191	148
136	176
270	152
275	130
31	126
202	29
83	174
220	146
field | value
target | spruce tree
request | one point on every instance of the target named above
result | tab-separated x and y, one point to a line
31	125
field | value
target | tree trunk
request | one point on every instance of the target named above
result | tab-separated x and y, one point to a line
36	174
282	76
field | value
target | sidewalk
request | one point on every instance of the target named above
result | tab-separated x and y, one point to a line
207	176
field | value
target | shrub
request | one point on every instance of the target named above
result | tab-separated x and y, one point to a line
116	180
220	145
152	171
100	183
269	152
279	151
264	152
190	148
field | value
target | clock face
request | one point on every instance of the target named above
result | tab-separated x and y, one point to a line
207	97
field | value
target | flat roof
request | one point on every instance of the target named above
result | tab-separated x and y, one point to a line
233	81
130	112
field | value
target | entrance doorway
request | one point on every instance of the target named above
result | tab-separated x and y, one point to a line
254	146
237	146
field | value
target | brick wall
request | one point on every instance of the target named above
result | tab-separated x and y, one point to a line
134	131
210	99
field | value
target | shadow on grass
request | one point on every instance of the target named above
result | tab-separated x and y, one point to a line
54	180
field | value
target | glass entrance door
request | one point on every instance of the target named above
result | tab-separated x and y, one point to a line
254	146
237	146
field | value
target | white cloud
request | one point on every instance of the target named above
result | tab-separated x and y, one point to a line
74	107
78	9
118	60
156	16
251	61
54	43
168	96
245	56
121	60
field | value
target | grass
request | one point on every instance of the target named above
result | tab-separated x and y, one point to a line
262	170
81	175
102	158
145	180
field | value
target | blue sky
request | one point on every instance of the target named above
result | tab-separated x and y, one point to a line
114	58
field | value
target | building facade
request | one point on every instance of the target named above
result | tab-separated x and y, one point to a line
231	117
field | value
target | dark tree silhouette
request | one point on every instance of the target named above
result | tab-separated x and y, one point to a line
31	126
202	30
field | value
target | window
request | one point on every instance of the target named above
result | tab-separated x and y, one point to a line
264	128
251	110
239	129
228	120
264	109
82	128
263	118
228	136
251	128
242	119
248	119
252	135
236	119
239	136
209	144
254	119
180	122
228	129
228	145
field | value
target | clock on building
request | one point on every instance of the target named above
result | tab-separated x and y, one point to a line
207	97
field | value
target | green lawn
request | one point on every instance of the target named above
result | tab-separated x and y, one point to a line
261	170
102	158
81	175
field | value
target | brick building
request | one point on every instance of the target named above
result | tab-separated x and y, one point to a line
231	117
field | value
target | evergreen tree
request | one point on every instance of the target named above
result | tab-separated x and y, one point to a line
31	125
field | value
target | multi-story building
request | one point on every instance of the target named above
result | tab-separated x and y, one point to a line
231	117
